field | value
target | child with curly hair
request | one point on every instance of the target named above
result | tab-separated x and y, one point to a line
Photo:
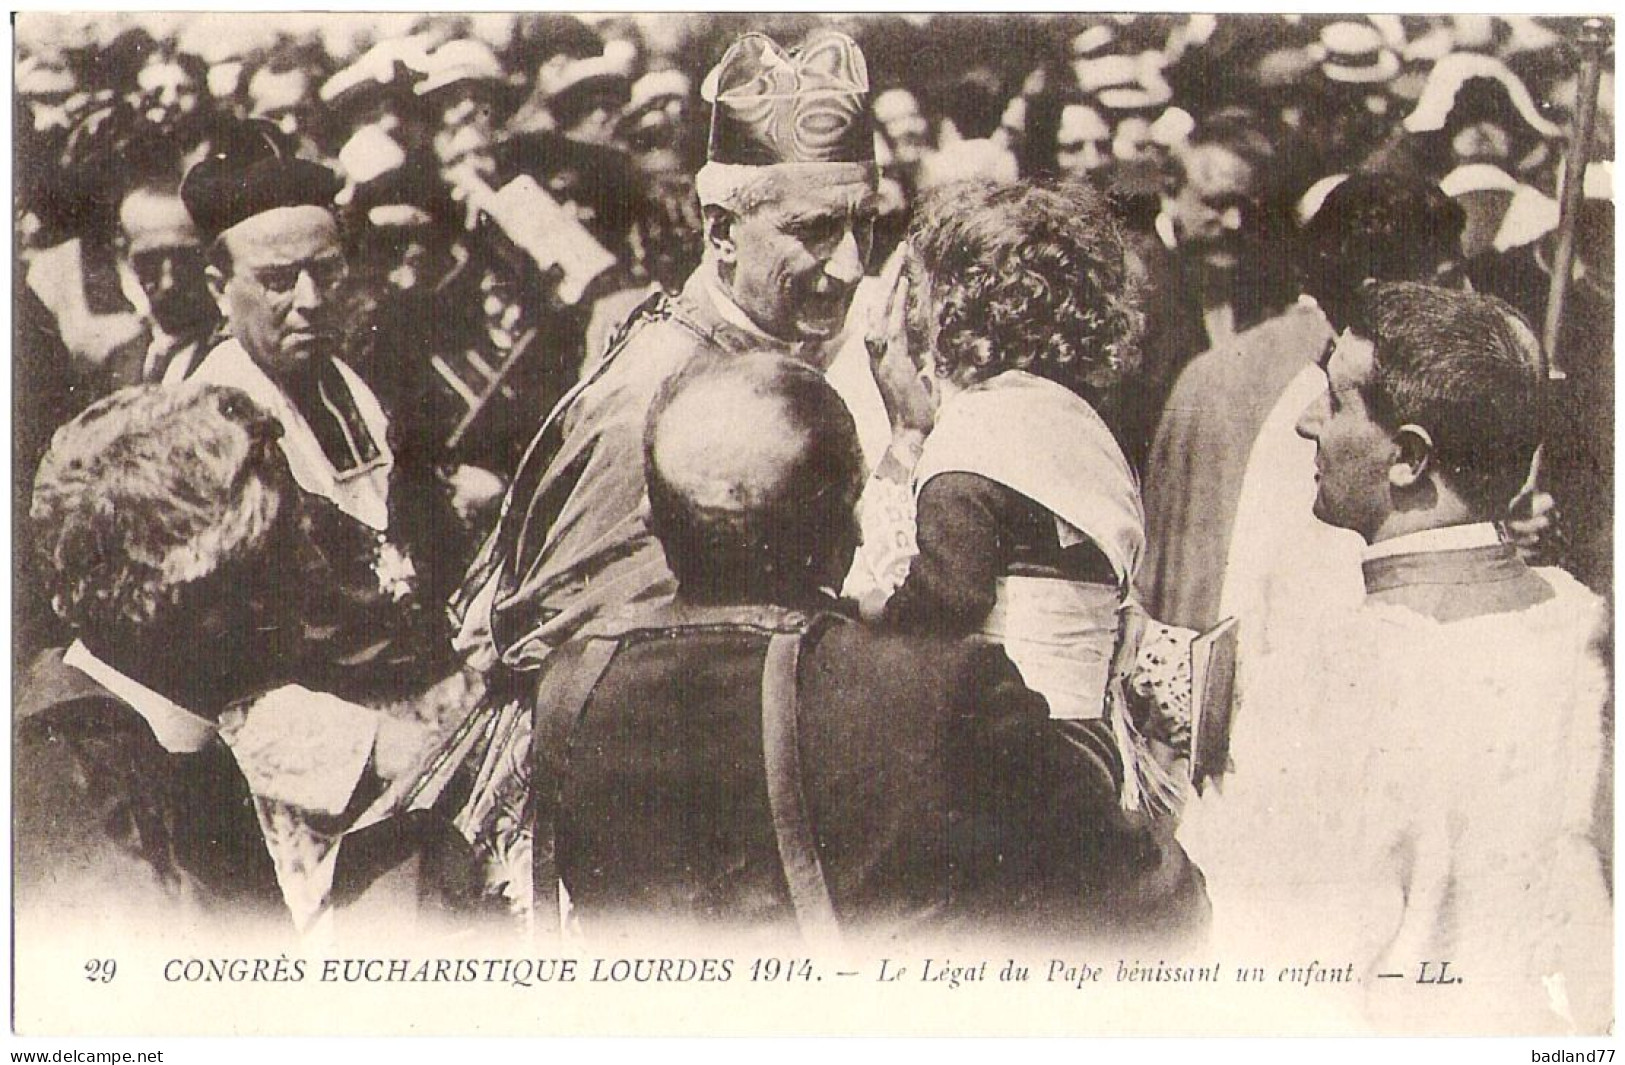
1029	522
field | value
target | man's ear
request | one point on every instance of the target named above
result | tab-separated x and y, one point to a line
719	233
1414	456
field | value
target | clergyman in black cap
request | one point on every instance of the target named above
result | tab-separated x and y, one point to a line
277	270
788	193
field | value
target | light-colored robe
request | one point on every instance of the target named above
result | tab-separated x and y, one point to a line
1410	792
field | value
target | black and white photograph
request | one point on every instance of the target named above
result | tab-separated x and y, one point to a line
797	524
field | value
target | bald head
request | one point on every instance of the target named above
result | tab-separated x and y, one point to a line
753	469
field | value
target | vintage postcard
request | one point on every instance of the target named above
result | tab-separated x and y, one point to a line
802	524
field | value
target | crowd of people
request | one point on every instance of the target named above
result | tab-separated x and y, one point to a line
630	477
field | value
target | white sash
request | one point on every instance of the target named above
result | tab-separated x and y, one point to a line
1037	438
1061	635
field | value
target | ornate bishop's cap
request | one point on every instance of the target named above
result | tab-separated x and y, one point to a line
251	169
807	105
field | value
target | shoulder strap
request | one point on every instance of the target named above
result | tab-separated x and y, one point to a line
798	849
552	742
792	826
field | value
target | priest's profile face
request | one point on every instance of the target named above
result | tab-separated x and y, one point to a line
1353	451
281	289
797	259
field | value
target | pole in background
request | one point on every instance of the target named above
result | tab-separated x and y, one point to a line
1593	43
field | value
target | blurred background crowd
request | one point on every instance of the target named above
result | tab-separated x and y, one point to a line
514	184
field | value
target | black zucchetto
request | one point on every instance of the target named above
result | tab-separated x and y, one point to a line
251	168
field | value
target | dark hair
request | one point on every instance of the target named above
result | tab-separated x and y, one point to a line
1458	365
1029	277
106	145
974	102
148	160
1390	227
781	518
147	501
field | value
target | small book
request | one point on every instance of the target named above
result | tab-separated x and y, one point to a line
1213	690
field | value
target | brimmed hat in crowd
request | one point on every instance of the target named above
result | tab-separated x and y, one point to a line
459	62
1093	42
1448	76
367	156
563	77
654	105
1477	177
403	197
657	89
249	170
1354	53
1124	82
1531	214
37	78
1488	196
388	63
807	108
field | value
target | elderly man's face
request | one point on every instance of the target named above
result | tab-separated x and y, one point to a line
282	298
1211	206
796	262
1353	453
163	251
